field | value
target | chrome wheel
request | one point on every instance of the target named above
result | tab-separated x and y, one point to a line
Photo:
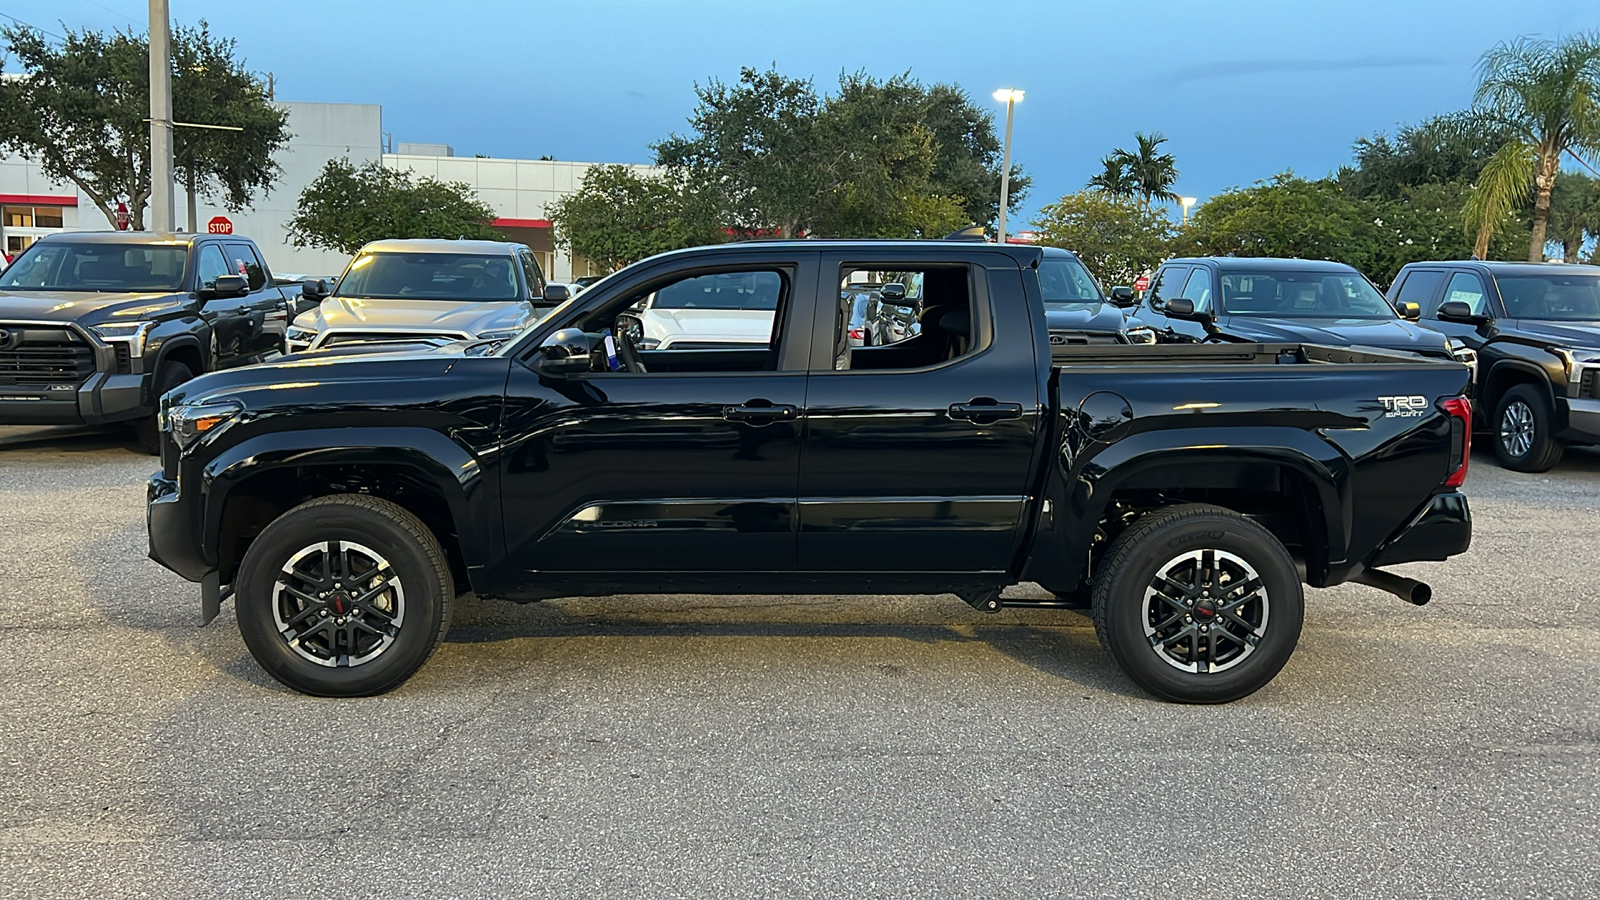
1516	428
1205	611
338	604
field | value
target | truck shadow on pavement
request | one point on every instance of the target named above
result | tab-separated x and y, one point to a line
71	440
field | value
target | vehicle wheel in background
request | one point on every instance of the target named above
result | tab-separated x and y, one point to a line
344	596
1198	604
147	429
1523	438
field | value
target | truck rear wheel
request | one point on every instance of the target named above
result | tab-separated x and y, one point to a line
1522	431
344	596
1198	604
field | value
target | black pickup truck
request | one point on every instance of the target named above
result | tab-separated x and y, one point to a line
1184	492
96	326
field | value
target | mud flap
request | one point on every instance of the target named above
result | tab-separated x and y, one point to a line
211	596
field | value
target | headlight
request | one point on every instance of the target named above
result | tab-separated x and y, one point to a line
649	343
131	333
1576	360
1141	335
501	335
190	423
300	335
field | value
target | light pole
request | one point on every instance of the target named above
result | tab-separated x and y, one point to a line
1186	202
161	212
1010	97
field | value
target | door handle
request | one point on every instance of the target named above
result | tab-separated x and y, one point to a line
983	409
760	412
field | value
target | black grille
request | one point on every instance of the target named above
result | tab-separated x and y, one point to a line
44	356
124	361
1589	388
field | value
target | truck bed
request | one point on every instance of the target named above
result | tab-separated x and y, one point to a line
1144	355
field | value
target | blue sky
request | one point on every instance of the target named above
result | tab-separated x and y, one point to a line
1243	89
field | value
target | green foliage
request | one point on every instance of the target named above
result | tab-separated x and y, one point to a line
1448	148
879	158
80	111
346	207
1116	238
1153	172
1546	95
1575	215
1114	179
617	217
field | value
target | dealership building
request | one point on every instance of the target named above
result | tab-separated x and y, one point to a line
518	190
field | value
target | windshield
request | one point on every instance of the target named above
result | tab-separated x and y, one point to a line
1062	279
65	266
729	290
1553	297
1303	295
430	276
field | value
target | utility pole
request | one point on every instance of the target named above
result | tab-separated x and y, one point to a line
161	205
1010	97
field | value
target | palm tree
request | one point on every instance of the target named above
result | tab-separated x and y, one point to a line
1154	173
1547	95
1574	213
1116	180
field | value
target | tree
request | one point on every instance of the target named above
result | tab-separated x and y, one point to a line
1153	173
967	156
346	207
1575	214
1115	179
1115	237
1449	148
212	88
1547	95
79	110
617	217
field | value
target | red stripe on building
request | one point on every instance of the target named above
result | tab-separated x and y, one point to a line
521	223
39	199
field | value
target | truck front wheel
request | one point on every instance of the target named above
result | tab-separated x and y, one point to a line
343	596
147	429
1522	431
1198	604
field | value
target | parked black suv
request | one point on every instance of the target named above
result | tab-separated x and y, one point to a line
1263	299
1536	328
96	326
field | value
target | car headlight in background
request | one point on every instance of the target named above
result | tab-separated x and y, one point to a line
298	335
1141	335
1576	360
504	334
130	333
189	423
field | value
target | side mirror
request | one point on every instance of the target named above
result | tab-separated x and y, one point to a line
1183	308
1410	311
315	289
894	292
555	294
1122	296
564	353
226	286
1459	311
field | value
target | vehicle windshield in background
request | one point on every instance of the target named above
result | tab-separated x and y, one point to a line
1065	280
1569	298
1303	295
63	266
430	276
743	290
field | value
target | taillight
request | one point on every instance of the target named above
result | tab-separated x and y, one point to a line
1460	411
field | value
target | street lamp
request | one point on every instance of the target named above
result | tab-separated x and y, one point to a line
1186	202
1010	97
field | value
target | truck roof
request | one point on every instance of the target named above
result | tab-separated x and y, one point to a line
133	237
1021	252
437	245
1265	263
1515	268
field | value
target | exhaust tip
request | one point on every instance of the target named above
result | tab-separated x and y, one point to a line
1408	589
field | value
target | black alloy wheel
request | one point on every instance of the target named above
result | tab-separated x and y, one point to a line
344	596
1198	604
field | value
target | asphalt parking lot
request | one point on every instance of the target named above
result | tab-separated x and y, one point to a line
779	747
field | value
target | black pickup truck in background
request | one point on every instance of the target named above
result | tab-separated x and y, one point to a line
1185	492
96	326
1536	330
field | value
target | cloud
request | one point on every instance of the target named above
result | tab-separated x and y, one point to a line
1236	68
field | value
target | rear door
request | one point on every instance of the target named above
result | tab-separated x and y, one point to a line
267	309
916	455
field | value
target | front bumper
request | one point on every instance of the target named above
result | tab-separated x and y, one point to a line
174	542
101	399
1583	420
1440	530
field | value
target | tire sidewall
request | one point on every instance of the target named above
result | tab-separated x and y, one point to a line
1285	603
168	375
298	529
1541	427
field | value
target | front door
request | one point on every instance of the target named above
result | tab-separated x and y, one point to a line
690	465
917	454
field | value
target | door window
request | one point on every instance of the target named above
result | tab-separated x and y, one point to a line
531	273
1466	288
711	322
1422	288
1198	289
1166	285
915	317
213	266
245	262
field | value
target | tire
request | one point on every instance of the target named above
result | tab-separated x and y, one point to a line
386	636
148	429
1523	431
1245	642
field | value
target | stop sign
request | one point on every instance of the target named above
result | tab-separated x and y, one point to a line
122	216
1142	283
220	225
